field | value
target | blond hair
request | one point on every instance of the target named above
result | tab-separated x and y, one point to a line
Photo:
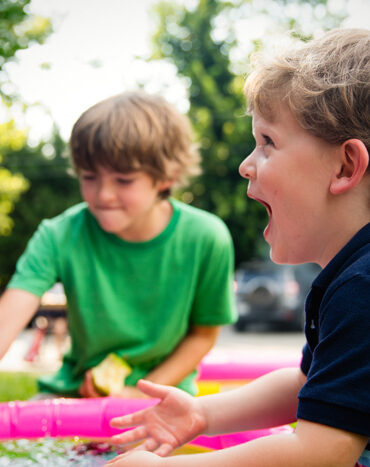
324	83
136	131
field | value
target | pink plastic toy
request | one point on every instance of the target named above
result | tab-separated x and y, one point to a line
236	365
89	418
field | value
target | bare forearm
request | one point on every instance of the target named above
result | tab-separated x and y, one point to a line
16	309
264	452
268	401
318	446
186	356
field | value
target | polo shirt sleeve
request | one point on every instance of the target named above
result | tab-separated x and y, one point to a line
36	270
214	301
337	389
306	359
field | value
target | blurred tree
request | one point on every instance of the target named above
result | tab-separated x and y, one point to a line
201	41
11	185
18	29
52	188
44	170
217	112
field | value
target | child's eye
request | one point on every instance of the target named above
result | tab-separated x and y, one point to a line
88	177
268	140
124	181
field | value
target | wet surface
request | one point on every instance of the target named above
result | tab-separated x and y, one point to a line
47	452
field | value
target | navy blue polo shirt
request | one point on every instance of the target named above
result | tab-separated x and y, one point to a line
336	357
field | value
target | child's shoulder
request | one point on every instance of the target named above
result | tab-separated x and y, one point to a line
358	257
199	219
359	266
70	217
195	226
349	271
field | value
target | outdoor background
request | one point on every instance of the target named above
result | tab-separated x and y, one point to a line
59	57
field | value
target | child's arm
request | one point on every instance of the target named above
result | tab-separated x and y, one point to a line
16	310
311	445
187	355
175	368
267	401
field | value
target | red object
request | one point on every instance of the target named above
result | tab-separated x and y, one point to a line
36	343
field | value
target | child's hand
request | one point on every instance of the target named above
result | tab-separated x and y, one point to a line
87	388
135	459
177	419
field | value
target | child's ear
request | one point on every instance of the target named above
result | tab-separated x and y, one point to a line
164	185
354	160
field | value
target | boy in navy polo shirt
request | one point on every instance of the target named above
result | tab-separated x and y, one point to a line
310	169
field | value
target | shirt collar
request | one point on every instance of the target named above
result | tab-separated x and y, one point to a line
340	260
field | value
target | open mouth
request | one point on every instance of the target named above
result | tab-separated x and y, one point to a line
267	206
269	212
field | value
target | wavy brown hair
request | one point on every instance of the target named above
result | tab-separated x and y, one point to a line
136	131
325	84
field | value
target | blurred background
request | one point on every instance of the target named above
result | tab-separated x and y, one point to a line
59	57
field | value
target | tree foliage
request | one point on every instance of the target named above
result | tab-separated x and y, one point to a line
52	188
18	29
41	172
217	112
200	42
11	185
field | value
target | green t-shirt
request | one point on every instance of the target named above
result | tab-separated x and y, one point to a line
136	299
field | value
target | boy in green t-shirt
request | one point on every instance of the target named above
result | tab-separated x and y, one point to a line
146	277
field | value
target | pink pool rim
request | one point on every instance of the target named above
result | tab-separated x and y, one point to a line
89	418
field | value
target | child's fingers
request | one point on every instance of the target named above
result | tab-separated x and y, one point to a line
87	389
125	421
158	391
149	445
91	389
163	450
131	436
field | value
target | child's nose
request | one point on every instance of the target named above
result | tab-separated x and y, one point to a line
247	168
106	193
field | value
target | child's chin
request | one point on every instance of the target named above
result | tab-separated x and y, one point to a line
113	229
277	257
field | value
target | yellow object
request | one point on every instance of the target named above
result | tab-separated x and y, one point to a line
206	387
109	376
190	449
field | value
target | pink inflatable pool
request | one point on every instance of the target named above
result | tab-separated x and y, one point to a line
89	418
235	365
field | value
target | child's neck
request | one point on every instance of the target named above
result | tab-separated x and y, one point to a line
152	225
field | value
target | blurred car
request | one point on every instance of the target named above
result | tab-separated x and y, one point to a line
272	294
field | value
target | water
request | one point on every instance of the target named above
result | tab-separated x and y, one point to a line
48	452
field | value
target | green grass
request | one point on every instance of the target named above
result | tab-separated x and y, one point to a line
17	386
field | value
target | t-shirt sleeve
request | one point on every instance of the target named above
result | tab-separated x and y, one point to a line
337	389
214	302
36	270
